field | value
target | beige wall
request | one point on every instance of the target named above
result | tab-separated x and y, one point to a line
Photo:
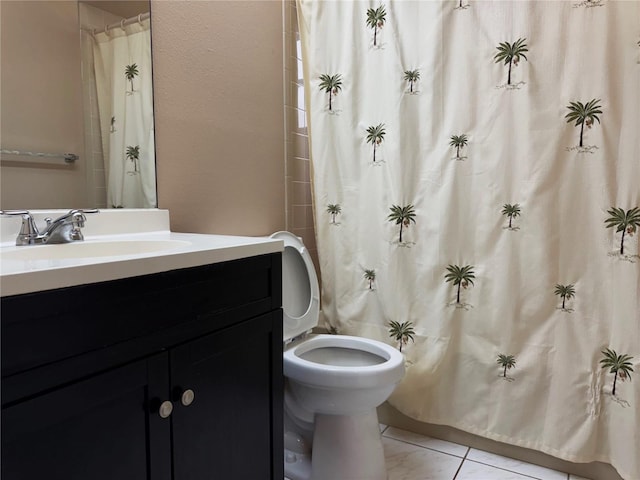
218	88
41	98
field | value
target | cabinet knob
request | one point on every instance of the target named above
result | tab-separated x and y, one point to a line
165	409
187	397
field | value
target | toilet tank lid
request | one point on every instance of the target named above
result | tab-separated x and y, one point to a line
301	304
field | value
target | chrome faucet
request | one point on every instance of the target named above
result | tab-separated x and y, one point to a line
64	229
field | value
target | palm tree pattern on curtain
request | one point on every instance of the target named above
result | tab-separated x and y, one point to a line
401	332
625	222
510	54
375	136
565	292
465	212
511	212
458	142
131	72
460	277
334	209
133	154
402	216
370	276
411	76
589	3
507	362
375	19
330	84
583	114
619	365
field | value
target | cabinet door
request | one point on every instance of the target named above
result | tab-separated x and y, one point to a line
233	427
100	428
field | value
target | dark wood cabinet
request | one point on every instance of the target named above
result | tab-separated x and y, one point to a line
92	410
96	428
230	420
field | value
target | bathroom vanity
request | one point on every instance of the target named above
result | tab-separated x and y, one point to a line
173	372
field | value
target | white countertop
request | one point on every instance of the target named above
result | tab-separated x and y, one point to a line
25	275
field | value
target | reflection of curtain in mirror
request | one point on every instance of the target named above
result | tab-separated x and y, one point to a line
125	99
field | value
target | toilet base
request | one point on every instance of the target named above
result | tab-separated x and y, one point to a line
297	466
347	447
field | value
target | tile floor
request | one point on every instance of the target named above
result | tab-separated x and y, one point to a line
411	456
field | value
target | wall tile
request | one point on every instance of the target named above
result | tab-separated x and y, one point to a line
293	17
99	177
295	95
302	216
296	120
308	236
301	193
300	145
299	213
300	170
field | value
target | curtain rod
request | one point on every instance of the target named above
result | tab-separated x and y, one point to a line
120	24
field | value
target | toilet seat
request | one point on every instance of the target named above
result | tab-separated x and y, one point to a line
300	289
350	362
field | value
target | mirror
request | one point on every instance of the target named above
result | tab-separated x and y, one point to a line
76	79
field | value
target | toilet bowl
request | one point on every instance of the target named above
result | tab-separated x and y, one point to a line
333	384
342	375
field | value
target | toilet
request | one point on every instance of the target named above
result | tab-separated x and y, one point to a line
333	384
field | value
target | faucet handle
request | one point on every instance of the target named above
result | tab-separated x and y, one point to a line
14	212
84	210
78	218
77	222
28	230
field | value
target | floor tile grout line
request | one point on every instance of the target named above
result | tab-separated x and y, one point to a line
511	471
427	448
461	463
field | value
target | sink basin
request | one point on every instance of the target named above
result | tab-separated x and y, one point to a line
79	250
119	243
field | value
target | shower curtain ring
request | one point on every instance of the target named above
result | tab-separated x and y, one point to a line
106	30
122	24
140	18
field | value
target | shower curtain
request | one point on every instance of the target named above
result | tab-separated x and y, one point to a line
125	101
476	169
